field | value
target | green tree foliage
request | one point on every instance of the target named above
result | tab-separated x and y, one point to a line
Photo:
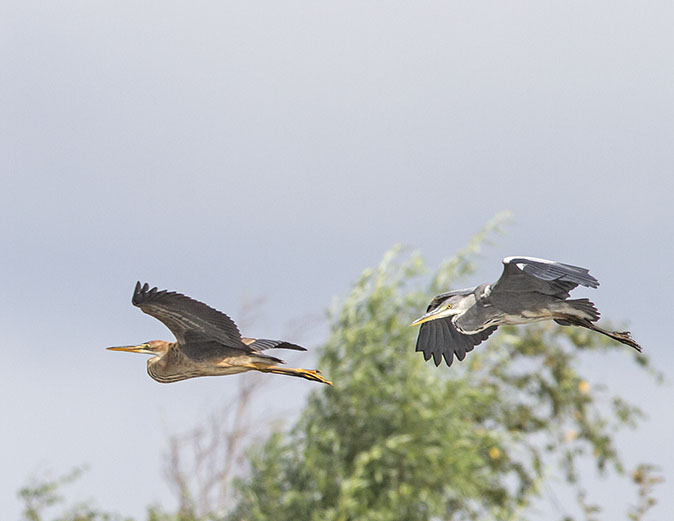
397	438
44	494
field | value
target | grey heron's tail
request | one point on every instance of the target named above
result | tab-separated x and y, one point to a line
587	309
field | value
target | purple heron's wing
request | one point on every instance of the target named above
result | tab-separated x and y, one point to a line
188	319
262	344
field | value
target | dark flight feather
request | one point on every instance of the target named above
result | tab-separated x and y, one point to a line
526	274
440	338
214	350
262	344
185	316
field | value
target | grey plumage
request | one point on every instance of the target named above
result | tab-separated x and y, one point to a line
436	335
528	290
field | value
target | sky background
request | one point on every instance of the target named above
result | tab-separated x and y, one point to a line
235	150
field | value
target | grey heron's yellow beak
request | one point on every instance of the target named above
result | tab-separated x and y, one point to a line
141	348
431	315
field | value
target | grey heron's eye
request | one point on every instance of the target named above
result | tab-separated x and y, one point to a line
448	306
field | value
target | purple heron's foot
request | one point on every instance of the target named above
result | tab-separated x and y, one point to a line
307	374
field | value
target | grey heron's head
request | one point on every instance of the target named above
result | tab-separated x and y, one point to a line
441	307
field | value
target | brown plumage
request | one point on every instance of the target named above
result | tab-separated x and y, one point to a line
208	342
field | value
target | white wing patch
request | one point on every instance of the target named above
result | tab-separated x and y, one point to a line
548	270
521	265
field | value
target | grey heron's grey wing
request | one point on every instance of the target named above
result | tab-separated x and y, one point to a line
439	338
437	300
261	344
185	316
213	352
528	274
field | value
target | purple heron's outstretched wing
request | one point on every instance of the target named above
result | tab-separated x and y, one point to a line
188	319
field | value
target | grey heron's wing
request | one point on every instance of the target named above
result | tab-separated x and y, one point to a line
439	338
439	299
186	317
261	344
529	274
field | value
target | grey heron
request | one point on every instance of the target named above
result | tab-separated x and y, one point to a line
529	290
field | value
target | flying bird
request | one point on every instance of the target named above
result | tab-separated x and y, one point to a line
529	290
208	342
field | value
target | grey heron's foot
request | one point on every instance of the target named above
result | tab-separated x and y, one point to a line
626	338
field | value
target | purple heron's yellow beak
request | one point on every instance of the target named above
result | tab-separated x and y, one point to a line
141	348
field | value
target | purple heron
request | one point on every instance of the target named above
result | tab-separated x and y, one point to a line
208	342
529	290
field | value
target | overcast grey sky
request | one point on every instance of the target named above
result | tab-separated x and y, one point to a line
234	149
